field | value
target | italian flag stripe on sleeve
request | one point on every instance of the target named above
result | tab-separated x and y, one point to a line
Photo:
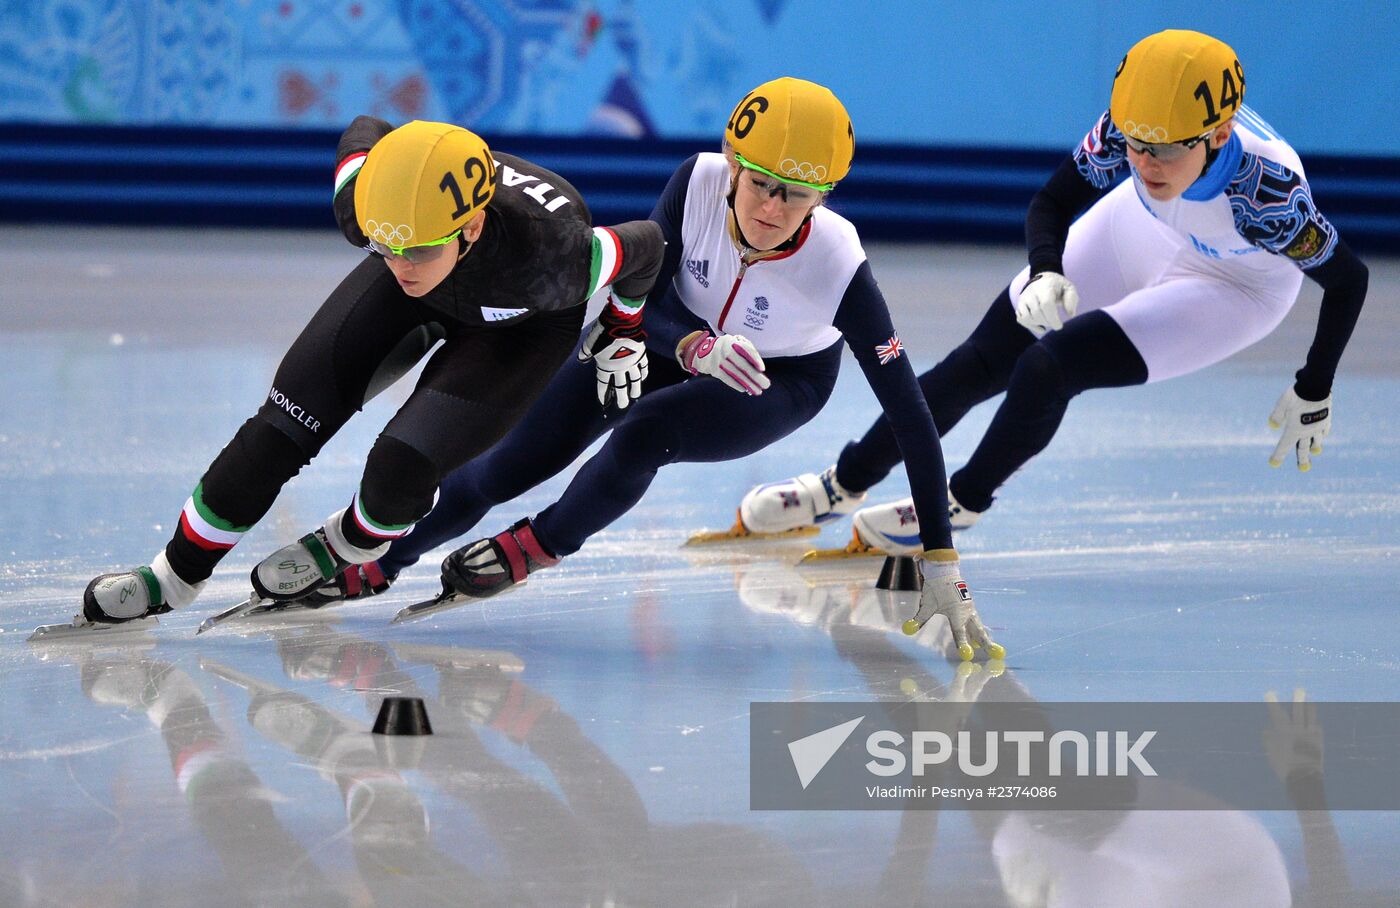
347	169
629	308
607	259
205	528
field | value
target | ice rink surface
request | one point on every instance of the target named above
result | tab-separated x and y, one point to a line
592	726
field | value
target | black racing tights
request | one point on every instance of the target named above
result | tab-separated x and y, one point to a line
368	332
1039	378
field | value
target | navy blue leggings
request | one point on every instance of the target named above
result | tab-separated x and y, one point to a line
1039	378
679	418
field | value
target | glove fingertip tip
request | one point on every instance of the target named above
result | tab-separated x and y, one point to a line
965	652
996	651
911	627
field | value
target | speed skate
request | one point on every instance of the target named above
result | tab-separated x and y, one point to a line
448	598
791	508
80	628
740	533
255	606
856	548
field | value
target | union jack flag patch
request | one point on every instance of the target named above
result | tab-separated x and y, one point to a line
889	350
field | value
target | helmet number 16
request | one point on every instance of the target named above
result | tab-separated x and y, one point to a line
1229	94
746	113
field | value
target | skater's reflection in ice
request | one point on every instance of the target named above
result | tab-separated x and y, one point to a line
568	826
584	840
264	864
1143	857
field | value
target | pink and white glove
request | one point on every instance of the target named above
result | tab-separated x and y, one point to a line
731	358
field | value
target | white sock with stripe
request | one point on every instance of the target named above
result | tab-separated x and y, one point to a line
175	592
345	549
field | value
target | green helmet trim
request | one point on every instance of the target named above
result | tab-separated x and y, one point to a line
745	162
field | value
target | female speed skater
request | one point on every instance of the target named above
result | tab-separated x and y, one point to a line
760	287
492	255
1197	252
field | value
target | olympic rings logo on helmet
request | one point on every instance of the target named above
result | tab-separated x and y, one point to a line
1144	133
397	235
805	171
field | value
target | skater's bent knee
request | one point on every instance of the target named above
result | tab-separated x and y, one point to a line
399	482
1039	369
643	444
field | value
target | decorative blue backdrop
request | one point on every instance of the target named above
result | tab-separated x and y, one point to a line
227	111
1008	74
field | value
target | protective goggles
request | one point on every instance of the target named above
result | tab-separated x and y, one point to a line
417	255
768	184
1166	152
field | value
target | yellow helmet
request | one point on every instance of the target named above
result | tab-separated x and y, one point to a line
423	182
1176	85
793	130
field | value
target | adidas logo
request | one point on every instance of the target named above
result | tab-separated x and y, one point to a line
700	270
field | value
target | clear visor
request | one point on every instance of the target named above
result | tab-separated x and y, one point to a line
417	255
769	185
1166	152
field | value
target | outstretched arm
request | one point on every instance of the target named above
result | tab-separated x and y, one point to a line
627	257
1277	213
864	320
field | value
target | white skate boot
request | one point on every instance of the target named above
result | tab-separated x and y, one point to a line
290	576
126	600
296	571
793	507
891	529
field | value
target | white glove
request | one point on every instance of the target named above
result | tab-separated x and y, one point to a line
620	361
1038	309
1304	423
731	358
946	594
1293	740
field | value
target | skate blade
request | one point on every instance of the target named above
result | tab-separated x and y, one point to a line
253	607
440	603
853	549
242	608
739	532
91	630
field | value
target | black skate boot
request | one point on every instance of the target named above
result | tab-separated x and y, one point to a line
355	582
490	566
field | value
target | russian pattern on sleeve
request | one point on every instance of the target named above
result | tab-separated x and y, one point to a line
1102	158
864	320
1274	210
1052	210
1344	279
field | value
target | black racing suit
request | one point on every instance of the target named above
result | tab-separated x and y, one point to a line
508	315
